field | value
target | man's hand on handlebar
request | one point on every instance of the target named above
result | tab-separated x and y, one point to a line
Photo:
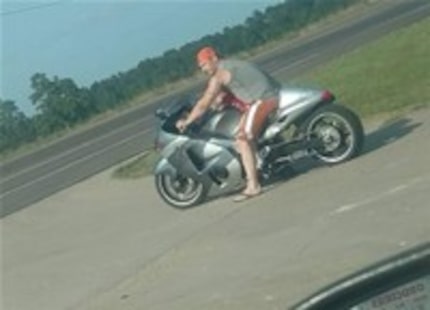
181	125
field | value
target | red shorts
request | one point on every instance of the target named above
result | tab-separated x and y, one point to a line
254	118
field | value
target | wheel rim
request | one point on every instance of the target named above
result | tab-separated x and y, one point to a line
179	190
335	134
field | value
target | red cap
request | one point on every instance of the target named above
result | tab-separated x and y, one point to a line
206	54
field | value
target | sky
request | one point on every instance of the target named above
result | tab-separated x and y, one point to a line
89	40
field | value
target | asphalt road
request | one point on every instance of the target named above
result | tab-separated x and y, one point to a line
106	244
58	166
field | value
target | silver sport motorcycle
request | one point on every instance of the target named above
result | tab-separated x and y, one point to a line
203	160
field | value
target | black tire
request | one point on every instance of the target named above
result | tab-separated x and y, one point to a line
178	191
339	130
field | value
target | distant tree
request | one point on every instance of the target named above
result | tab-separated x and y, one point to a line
59	102
101	96
257	27
15	127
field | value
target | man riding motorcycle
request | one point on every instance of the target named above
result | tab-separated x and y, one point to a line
252	91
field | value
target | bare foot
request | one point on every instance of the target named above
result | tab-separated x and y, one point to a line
247	194
252	191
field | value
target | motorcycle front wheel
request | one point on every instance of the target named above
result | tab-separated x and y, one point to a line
338	132
179	191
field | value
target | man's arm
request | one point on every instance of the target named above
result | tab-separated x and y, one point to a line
213	89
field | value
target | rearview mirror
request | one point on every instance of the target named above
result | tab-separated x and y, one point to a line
399	282
160	113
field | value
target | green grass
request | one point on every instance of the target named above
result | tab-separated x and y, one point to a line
391	75
137	167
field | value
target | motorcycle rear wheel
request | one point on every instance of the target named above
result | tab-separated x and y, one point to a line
339	132
179	191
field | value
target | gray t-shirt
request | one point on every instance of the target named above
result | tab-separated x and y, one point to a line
249	83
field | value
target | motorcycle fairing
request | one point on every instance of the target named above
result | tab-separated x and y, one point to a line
203	160
293	102
221	124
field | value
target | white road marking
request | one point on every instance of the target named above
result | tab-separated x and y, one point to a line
45	176
69	151
294	64
387	193
413	12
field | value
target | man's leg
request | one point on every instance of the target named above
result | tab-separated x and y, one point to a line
252	124
247	152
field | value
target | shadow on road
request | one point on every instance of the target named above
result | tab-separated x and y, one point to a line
388	133
385	134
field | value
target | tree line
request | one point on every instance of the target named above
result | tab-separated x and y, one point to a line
61	104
